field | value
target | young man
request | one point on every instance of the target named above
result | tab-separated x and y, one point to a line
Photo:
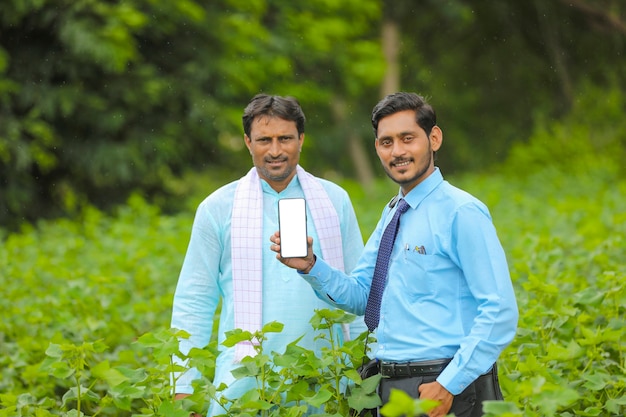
227	258
440	299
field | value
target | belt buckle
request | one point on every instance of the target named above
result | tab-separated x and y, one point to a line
401	369
386	369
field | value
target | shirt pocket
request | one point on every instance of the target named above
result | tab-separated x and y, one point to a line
428	275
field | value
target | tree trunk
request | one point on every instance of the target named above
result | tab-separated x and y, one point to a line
391	84
356	149
391	50
556	52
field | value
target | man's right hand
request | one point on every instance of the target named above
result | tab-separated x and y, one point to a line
303	265
436	391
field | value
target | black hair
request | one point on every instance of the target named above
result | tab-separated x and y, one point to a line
286	108
393	103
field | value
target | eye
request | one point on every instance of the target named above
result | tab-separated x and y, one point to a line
407	138
385	142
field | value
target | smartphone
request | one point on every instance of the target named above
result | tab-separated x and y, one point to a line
292	227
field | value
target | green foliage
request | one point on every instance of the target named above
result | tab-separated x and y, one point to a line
591	139
402	404
71	361
495	70
564	237
99	98
296	381
97	387
74	282
85	302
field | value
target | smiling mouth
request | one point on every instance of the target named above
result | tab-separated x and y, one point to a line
401	164
276	162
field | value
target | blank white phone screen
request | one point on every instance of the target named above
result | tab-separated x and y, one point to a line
292	226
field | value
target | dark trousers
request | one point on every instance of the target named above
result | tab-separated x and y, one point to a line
466	404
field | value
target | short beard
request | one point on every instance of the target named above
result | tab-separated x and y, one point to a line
273	177
414	178
423	170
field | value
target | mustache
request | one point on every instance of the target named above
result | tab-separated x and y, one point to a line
400	160
277	159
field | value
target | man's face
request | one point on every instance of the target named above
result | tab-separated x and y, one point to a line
275	147
404	149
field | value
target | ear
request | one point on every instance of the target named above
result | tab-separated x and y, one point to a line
436	138
248	142
301	139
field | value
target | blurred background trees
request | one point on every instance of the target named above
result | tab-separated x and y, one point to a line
102	98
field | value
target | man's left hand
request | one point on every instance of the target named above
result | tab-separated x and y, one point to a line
436	391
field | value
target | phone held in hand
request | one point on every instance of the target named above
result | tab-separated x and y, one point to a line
292	227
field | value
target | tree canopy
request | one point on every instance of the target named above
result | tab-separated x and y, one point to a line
100	98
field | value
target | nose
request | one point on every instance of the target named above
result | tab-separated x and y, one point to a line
397	149
275	148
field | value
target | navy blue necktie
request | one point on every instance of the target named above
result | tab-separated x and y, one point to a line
372	310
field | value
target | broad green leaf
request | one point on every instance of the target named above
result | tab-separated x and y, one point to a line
112	376
172	409
360	399
272	327
569	352
501	408
320	397
597	381
370	384
85	395
614	405
235	336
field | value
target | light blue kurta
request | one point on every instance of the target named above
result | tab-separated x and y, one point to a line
206	277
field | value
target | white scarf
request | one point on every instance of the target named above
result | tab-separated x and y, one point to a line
247	242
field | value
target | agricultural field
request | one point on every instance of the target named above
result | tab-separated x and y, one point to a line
86	302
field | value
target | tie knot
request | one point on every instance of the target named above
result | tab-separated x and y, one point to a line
403	206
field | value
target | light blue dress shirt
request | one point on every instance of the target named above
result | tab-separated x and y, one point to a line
448	294
206	277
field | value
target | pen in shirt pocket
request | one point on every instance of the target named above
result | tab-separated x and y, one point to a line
419	249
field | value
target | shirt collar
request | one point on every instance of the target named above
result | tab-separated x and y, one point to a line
267	189
423	189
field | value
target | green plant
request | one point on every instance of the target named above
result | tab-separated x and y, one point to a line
295	381
402	404
110	279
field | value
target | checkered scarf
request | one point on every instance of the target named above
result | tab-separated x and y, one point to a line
247	242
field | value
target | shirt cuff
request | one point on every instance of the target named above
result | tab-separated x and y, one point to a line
454	379
316	275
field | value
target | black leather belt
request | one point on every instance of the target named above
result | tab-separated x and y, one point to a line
409	369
